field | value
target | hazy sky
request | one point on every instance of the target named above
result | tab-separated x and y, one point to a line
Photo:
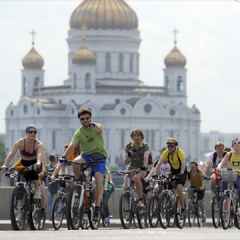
209	37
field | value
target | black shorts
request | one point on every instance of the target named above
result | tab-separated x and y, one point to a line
29	175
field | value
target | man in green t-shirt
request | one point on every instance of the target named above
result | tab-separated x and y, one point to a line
89	139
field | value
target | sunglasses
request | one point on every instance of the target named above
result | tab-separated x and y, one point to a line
171	145
85	119
32	132
236	143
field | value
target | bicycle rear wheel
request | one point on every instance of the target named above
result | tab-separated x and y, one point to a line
18	208
58	212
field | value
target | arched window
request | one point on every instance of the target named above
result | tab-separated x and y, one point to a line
108	63
131	66
88	84
121	62
180	86
25	109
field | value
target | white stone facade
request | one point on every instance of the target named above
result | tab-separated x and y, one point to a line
112	89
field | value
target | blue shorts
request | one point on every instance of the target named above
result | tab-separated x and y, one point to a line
97	164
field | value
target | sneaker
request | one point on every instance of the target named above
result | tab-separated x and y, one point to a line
96	214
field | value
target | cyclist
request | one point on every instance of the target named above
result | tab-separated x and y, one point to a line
232	161
175	156
89	139
32	155
108	190
195	177
138	157
214	159
64	168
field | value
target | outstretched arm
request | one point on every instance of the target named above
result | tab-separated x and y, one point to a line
11	154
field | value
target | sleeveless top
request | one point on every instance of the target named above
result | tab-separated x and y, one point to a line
27	154
234	159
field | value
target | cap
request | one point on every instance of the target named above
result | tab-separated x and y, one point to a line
83	110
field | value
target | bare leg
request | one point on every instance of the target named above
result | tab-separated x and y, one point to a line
99	189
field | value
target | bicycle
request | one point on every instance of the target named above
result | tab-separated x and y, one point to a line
230	201
215	205
24	207
129	211
194	208
59	209
157	185
82	200
168	202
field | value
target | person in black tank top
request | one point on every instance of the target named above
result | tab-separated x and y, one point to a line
31	152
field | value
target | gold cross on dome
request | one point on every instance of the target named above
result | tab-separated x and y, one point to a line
175	33
33	33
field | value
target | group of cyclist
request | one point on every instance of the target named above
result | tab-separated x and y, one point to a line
87	145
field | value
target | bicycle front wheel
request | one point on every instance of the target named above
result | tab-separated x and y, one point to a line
165	209
58	212
18	208
237	214
180	215
215	212
153	212
37	215
225	212
125	210
73	210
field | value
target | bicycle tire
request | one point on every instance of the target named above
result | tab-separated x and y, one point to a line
237	214
216	221
180	218
73	210
37	215
141	213
153	211
17	194
224	205
165	204
62	202
126	223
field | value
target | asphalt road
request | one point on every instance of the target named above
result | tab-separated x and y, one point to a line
121	234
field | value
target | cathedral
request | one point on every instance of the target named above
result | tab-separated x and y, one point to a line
103	75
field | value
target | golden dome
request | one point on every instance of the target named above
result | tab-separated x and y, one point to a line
33	60
84	55
104	14
175	58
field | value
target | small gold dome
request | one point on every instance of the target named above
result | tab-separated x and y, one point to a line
175	58
104	14
33	60
84	55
